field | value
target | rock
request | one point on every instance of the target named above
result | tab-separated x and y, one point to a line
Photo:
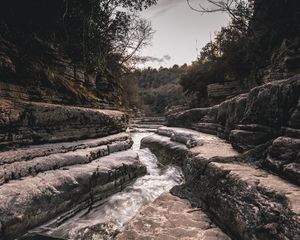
185	138
230	112
32	201
186	118
150	124
32	123
210	128
247	202
266	111
154	142
119	146
292	62
170	152
163	131
35	151
100	232
33	166
250	203
270	104
245	140
221	91
42	73
170	217
294	121
292	172
284	158
290	132
285	149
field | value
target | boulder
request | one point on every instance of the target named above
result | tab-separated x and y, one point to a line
245	140
284	158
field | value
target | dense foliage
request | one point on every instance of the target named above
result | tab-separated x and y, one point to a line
155	91
241	50
101	35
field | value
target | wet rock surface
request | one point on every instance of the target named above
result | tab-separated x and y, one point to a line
42	182
105	218
170	217
31	165
245	201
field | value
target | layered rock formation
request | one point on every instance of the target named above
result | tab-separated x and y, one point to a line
31	123
42	182
267	114
149	124
43	74
245	201
67	158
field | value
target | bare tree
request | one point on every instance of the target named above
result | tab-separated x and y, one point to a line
239	10
138	37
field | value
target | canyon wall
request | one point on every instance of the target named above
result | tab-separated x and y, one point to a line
267	117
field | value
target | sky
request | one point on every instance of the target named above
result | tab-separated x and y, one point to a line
180	32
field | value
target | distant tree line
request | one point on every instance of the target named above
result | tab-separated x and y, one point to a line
156	91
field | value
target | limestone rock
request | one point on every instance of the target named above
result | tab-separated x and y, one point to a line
266	111
32	201
170	217
284	158
247	202
31	123
245	140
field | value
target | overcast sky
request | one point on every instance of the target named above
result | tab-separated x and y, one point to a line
179	32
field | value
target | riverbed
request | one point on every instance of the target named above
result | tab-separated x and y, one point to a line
114	212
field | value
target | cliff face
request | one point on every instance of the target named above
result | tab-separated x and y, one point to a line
36	70
267	116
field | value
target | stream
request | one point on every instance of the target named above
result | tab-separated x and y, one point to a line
123	206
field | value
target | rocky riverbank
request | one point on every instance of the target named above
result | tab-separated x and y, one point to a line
23	123
241	175
67	159
266	119
245	201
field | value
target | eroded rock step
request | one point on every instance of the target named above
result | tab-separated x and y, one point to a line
146	124
247	202
25	123
32	201
33	151
268	115
171	218
33	160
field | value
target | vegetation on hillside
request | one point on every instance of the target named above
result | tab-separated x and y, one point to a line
242	50
155	91
101	36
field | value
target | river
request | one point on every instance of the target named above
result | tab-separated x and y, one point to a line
123	206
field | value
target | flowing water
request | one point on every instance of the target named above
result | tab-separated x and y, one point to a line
123	206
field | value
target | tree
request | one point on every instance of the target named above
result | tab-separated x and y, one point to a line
240	11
